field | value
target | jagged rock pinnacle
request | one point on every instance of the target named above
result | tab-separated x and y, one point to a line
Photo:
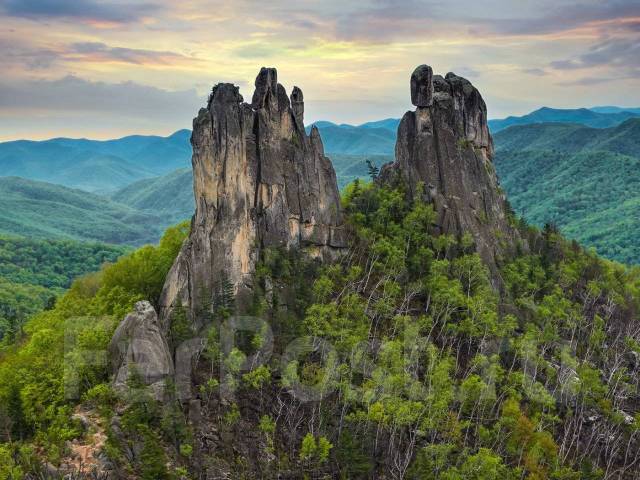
259	181
444	151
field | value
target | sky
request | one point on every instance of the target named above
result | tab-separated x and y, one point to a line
104	69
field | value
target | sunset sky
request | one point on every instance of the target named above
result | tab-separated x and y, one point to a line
101	69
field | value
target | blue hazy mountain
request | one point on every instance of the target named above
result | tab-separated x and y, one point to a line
612	109
582	116
374	138
108	166
135	175
93	165
378	137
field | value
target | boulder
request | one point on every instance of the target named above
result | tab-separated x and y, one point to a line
139	345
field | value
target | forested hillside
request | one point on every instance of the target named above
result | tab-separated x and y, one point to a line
152	195
584	180
34	272
44	210
495	387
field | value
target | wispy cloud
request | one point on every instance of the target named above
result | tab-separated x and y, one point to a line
89	10
74	94
621	54
101	52
558	16
538	72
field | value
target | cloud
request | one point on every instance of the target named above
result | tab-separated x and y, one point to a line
466	72
559	17
620	54
587	81
73	94
256	50
539	72
21	55
88	10
386	20
97	52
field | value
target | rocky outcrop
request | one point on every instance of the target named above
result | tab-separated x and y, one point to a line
139	344
259	181
444	152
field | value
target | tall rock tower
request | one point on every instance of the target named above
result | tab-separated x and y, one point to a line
259	181
444	152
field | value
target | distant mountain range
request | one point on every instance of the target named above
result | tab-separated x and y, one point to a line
585	180
606	117
128	190
373	138
610	109
380	137
96	166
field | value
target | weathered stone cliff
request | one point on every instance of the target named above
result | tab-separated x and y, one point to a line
444	151
259	181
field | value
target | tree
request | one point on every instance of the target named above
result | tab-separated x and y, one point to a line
372	169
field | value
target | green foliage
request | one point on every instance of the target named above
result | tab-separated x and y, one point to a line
372	170
45	211
63	357
232	415
258	377
314	449
34	272
585	180
267	425
430	367
152	458
427	349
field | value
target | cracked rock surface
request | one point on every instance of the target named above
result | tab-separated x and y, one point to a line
444	151
259	181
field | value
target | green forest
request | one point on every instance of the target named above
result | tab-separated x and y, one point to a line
433	373
584	180
33	273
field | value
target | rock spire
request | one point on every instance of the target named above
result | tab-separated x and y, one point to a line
444	151
259	181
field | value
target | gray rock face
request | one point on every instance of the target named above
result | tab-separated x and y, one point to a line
297	105
422	86
444	151
259	181
139	343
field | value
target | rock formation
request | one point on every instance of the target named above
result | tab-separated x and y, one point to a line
259	181
139	343
444	151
